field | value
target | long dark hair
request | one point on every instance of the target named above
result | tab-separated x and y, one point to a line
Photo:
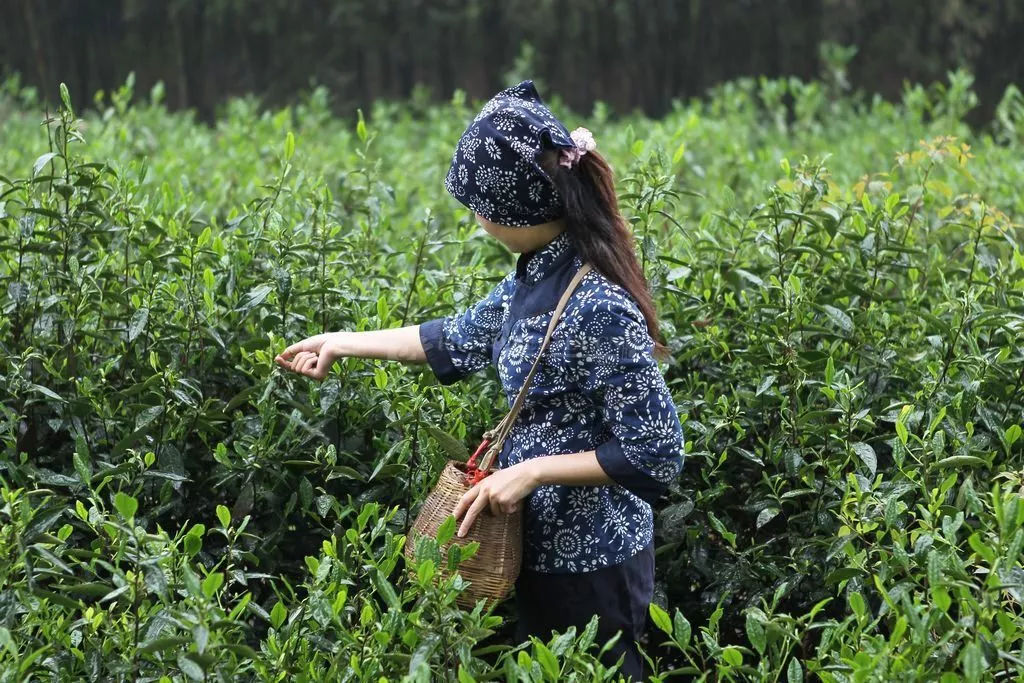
599	231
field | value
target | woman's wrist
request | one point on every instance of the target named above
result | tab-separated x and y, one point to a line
341	342
536	470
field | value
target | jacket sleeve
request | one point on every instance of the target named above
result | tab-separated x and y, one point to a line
460	344
620	374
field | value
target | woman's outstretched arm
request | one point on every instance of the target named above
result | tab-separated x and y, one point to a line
314	356
455	345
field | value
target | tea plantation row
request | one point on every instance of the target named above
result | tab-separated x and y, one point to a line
839	277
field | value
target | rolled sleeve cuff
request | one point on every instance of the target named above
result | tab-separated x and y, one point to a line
438	358
625	474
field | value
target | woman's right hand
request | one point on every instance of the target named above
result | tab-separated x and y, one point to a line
313	356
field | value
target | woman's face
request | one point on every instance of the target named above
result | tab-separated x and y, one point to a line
521	239
501	232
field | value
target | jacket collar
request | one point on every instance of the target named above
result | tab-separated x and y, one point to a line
534	266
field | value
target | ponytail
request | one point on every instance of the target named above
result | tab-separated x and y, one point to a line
600	233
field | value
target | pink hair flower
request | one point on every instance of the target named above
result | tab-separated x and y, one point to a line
584	140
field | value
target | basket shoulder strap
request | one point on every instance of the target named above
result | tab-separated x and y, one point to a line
501	431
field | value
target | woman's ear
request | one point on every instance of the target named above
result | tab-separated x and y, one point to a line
548	160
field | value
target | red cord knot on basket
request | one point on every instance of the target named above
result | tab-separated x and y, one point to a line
474	474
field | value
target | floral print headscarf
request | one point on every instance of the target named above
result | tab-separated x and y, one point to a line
494	170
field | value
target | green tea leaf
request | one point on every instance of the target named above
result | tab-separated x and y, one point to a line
794	672
732	656
678	154
361	127
452	447
289	146
42	161
840	318
65	96
126	505
660	618
547	660
681	628
866	454
385	589
224	516
972	662
212	583
190	667
446	530
278	614
755	633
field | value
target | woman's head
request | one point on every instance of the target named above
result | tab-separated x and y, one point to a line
494	170
506	168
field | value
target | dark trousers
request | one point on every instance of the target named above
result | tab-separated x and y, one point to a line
619	595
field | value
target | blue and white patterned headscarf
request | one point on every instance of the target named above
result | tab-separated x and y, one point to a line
494	170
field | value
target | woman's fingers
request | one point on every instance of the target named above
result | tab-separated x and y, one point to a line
480	497
318	370
297	359
478	506
306	357
310	344
324	360
475	501
307	363
497	507
313	356
464	502
295	348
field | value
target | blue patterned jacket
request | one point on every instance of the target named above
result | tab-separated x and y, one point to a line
597	388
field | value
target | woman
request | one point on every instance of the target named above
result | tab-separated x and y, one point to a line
598	439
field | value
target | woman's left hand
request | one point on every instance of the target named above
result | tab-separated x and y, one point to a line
501	491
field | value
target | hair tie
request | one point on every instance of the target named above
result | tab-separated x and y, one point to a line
584	140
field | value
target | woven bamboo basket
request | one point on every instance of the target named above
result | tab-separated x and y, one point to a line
494	568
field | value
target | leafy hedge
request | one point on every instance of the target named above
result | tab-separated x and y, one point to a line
846	331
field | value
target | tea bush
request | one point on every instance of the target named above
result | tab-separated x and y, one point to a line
839	278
